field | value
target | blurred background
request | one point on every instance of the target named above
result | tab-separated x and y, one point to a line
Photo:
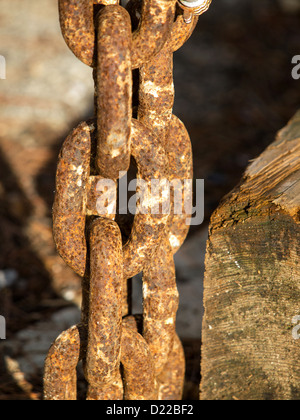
234	91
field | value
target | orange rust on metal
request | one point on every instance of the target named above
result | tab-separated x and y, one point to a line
138	382
60	378
160	298
69	208
76	18
106	2
101	196
139	376
113	91
73	190
147	228
77	25
105	304
159	284
156	94
156	21
124	357
156	91
171	379
179	151
160	295
181	32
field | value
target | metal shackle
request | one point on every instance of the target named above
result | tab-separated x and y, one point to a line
193	7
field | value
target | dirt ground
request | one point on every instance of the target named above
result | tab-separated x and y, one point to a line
234	91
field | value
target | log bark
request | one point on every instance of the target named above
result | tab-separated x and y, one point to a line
252	281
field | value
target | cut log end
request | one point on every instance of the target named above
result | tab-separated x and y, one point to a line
252	281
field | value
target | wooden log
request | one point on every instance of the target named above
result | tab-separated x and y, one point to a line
250	349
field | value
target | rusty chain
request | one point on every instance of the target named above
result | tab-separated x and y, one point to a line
124	356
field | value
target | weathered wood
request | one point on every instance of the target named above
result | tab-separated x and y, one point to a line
252	281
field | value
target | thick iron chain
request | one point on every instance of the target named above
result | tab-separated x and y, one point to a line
115	40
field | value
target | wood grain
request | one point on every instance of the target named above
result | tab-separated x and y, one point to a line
252	281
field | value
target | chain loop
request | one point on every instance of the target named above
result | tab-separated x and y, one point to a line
113	86
77	23
72	188
103	354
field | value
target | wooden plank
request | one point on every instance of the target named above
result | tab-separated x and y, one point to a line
252	281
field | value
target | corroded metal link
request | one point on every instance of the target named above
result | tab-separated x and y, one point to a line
155	110
69	209
160	304
113	91
156	92
156	95
160	296
72	188
148	228
77	26
171	379
102	363
138	382
157	17
60	378
138	368
179	151
180	32
76	17
108	392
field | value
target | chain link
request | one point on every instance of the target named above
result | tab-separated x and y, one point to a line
116	40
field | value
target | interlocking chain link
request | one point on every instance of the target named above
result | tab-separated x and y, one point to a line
115	40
